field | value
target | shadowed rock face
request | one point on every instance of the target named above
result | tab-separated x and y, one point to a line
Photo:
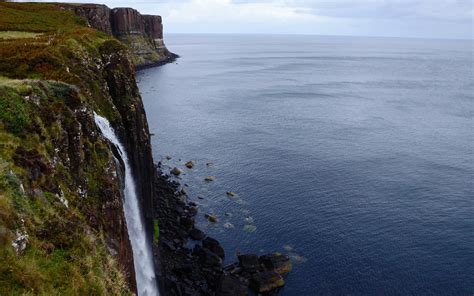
97	15
153	26
127	21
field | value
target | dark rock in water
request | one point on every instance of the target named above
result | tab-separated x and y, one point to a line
197	234
211	218
175	171
200	271
214	246
192	210
266	281
277	262
209	178
231	286
189	164
249	262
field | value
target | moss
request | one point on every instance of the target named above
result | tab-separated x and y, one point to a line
156	231
13	111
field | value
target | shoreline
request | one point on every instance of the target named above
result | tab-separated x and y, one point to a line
170	58
189	262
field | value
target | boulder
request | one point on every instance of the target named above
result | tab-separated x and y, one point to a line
207	257
175	171
211	218
231	286
277	262
230	193
189	164
249	262
209	178
197	234
266	281
214	246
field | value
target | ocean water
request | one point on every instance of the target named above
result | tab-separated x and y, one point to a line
353	155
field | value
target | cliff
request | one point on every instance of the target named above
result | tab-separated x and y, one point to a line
142	33
62	225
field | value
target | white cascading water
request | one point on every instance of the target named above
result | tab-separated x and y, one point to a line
142	257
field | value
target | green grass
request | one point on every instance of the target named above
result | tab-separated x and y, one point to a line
37	17
18	35
13	109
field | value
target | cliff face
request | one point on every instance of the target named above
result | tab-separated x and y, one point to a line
142	33
62	225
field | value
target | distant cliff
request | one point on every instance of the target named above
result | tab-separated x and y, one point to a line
142	33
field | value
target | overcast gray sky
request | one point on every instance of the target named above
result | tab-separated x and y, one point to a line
401	18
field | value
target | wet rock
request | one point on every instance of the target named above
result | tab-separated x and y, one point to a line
197	234
231	286
295	258
250	228
228	225
277	262
211	218
214	246
192	210
230	193
209	178
189	164
175	171
207	257
248	220
249	262
267	281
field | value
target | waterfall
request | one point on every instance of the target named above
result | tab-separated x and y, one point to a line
142	255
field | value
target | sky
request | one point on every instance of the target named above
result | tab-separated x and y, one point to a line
394	18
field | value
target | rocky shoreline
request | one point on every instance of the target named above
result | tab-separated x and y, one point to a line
169	58
189	262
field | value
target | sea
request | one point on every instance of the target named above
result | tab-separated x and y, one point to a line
353	155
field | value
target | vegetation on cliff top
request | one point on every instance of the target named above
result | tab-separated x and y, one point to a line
56	174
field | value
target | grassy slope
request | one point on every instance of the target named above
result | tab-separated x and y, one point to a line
64	255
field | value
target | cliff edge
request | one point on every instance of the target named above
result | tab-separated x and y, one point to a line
62	224
142	33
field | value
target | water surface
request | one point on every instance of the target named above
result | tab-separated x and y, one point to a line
356	154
